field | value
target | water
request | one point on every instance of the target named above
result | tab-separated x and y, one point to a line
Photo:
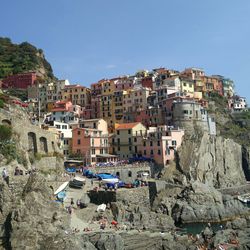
197	228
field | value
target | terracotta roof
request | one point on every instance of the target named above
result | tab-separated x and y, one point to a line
126	125
58	109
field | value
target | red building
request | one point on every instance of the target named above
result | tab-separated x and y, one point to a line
19	81
147	82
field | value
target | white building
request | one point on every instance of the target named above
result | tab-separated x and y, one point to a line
65	136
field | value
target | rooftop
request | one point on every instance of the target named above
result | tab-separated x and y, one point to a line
126	125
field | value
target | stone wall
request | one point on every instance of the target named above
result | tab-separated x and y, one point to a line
127	173
31	137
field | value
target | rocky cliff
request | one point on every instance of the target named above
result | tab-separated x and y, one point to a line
24	57
215	161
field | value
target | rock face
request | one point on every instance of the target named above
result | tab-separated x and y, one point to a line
212	160
34	221
200	203
246	161
133	209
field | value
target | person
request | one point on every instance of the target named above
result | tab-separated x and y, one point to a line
17	172
78	203
72	202
5	176
70	210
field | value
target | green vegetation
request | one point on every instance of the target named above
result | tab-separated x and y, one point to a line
21	58
7	145
234	126
5	133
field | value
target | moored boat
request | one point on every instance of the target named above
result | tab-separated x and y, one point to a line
245	198
61	188
61	196
75	184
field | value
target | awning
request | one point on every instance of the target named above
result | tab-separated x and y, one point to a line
106	156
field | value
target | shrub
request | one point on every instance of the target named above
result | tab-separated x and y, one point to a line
5	133
1	103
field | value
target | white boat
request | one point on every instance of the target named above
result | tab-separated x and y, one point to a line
244	198
101	208
111	180
61	188
80	179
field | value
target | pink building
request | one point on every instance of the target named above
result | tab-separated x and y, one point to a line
91	140
62	105
161	143
124	83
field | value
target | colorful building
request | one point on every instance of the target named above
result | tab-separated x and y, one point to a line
160	144
92	145
128	138
77	94
19	81
65	135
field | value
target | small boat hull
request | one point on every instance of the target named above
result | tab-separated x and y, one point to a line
244	198
113	180
61	188
73	184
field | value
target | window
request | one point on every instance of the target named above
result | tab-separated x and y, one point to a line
130	148
118	140
158	143
129	131
129	140
151	144
129	173
93	151
151	151
136	149
118	132
144	144
135	139
78	141
159	152
174	143
78	132
145	152
185	111
78	151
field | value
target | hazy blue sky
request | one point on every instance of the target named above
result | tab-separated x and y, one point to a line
89	40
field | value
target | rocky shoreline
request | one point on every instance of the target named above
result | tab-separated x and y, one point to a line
32	220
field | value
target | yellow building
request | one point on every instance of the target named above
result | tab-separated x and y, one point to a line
128	138
187	86
107	103
77	94
118	106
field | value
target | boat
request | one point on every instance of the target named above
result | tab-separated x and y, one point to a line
107	178
61	188
61	196
101	208
111	180
245	198
79	179
75	184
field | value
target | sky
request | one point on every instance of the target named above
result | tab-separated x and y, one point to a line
86	41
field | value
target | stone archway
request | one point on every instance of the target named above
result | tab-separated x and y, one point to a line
6	122
32	142
43	145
